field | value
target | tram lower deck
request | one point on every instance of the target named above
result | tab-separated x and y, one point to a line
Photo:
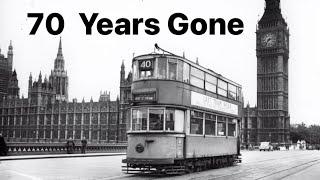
174	141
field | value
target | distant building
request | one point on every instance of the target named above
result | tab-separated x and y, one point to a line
47	116
125	100
7	77
270	120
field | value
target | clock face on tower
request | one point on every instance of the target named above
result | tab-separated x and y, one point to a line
268	40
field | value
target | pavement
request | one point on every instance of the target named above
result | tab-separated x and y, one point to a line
48	156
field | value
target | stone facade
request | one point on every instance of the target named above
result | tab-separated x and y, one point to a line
47	116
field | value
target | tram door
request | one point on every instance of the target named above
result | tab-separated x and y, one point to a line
179	127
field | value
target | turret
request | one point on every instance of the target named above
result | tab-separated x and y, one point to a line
59	61
13	88
122	72
29	85
10	55
40	78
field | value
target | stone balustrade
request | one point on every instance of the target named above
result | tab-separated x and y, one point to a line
61	148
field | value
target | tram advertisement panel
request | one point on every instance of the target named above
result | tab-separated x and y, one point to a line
201	100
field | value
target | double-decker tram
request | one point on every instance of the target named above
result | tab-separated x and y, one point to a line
184	117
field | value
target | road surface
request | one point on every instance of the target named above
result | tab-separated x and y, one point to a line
256	165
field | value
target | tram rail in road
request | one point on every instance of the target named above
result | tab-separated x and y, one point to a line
256	165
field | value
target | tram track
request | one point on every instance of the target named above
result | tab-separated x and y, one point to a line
272	168
253	172
304	167
273	159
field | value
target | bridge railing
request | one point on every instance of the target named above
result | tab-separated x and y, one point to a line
61	148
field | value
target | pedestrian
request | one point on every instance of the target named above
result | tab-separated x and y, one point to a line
3	146
70	146
83	145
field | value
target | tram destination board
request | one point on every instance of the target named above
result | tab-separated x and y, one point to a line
145	97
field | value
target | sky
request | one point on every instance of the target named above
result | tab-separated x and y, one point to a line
93	61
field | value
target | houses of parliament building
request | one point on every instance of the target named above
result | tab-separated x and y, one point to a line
46	115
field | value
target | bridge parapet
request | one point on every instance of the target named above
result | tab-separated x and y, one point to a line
15	148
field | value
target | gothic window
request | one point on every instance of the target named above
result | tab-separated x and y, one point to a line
55	119
86	118
94	134
103	118
103	135
69	133
63	119
41	119
70	118
55	133
18	120
78	119
77	134
62	132
94	118
32	120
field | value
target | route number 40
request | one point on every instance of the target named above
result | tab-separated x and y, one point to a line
49	19
145	65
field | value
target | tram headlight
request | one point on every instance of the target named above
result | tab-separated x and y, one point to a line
139	148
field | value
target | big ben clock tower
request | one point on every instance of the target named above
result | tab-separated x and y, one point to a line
273	122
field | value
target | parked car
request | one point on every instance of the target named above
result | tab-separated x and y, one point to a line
265	146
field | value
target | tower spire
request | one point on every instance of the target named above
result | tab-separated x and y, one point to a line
60	48
272	14
59	61
10	48
59	77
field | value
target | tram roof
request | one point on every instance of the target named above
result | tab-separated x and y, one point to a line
189	62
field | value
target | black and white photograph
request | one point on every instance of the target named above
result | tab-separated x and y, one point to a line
149	89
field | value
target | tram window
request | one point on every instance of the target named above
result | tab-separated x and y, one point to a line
180	70
162	68
231	128
197	77
172	71
169	120
210	124
196	123
222	88
221	126
186	72
146	74
156	119
232	91
139	119
135	70
211	83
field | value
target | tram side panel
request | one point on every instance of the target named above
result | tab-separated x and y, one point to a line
154	148
205	146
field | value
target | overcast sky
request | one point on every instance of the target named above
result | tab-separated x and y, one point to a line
93	61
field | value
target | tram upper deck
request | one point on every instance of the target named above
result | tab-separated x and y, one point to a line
165	79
